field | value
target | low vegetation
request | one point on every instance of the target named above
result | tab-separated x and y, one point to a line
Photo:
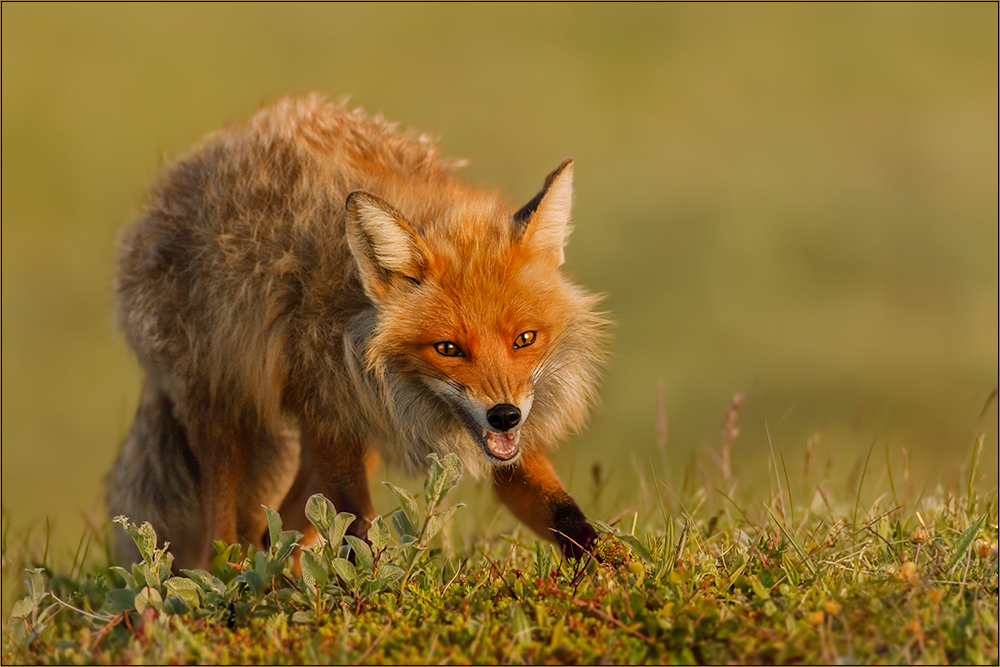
820	581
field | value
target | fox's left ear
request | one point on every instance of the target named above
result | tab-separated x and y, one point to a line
543	223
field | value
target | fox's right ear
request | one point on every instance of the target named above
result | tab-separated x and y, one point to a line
385	246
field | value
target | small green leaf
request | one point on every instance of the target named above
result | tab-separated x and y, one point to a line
255	577
36	584
221	567
363	556
436	521
378	534
287	540
302	617
18	631
148	598
320	512
220	546
388	574
603	527
344	571
139	572
125	575
185	590
174	605
339	529
407	503
260	563
431	480
557	632
451	473
736	577
206	580
759	589
119	600
442	478
313	572
405	531
638	547
161	567
144	537
23	608
273	525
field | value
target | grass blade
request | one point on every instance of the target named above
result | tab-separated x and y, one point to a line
965	541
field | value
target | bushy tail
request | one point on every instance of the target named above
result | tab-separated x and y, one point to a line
156	479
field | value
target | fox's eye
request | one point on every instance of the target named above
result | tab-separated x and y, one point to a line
448	349
524	340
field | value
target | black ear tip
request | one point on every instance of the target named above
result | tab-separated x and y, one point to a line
524	214
351	203
358	198
355	196
567	163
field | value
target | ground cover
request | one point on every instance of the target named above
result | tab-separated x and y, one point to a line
765	580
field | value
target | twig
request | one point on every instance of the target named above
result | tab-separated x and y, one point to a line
892	548
618	517
578	575
105	630
500	574
457	572
80	611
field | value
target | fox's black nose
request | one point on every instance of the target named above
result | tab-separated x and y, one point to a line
503	416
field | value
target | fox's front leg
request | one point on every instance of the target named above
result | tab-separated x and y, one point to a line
536	496
216	447
337	468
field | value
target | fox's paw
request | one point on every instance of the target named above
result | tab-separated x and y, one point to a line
575	535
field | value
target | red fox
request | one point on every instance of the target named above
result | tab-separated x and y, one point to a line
313	286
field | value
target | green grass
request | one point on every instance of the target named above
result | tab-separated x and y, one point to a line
713	576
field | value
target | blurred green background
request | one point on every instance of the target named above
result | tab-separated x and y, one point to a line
799	203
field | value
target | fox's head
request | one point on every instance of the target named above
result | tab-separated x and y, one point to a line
472	303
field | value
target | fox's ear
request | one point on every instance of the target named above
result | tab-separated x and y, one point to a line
543	223
383	243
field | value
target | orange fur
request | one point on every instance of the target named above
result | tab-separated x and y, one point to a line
307	267
536	496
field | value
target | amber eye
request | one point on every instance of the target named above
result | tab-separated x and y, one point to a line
524	340
448	349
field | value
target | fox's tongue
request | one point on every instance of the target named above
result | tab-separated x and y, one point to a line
503	445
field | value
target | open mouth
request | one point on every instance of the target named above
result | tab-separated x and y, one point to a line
504	446
499	447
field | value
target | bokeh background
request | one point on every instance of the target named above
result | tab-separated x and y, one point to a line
796	203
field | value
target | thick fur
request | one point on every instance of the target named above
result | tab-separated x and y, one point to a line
300	269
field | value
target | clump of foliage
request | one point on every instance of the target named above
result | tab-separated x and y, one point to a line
811	583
